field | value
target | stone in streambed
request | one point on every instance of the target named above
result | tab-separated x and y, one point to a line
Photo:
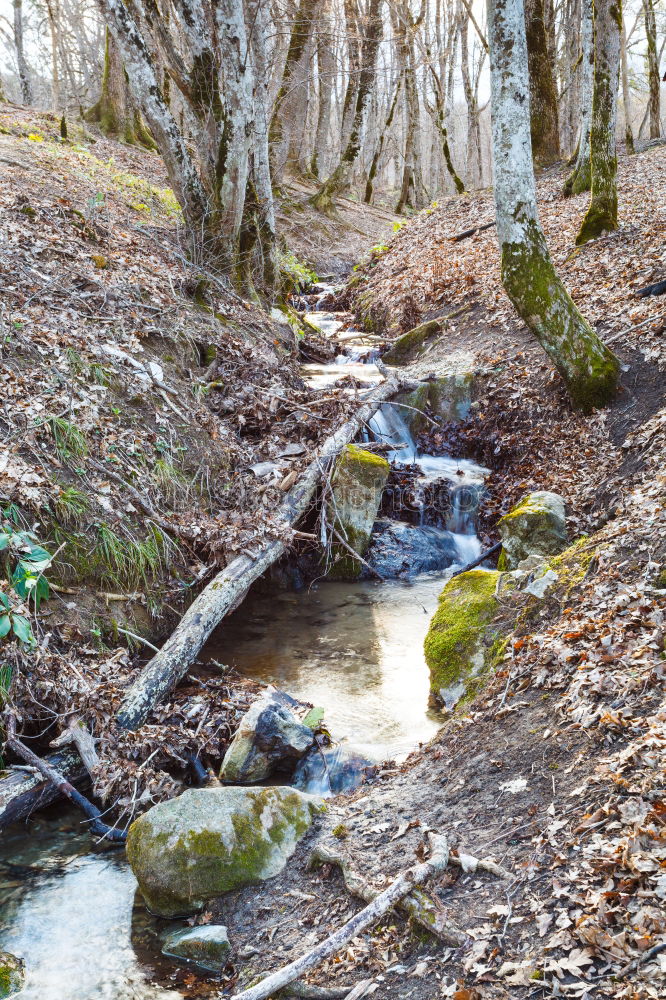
403	550
269	739
12	974
405	347
357	484
534	527
207	946
209	841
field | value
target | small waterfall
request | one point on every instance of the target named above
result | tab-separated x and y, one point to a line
389	427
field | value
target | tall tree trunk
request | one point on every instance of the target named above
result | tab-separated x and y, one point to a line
353	36
473	129
260	17
339	179
653	69
374	165
53	16
326	74
284	121
580	178
626	93
544	119
602	214
115	112
23	71
588	368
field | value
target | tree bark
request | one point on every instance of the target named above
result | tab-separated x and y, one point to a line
544	120
260	15
602	213
580	179
653	69
115	111
229	587
626	94
376	156
326	74
339	179
588	368
21	62
24	792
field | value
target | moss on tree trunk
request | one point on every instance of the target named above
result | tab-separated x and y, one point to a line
544	120
115	112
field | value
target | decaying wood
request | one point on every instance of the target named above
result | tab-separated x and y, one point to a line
229	587
479	559
471	232
402	886
62	785
23	792
77	733
659	288
417	905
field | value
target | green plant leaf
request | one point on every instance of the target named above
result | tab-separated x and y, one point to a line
22	628
38	555
4	601
5	625
4	540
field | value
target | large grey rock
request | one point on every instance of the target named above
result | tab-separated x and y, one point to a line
534	527
399	549
331	770
208	946
358	483
12	974
209	841
269	739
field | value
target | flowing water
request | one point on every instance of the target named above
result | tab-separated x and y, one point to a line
354	648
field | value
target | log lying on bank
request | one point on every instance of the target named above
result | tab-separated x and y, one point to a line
228	588
23	792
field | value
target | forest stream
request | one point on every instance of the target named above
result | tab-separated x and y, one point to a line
354	648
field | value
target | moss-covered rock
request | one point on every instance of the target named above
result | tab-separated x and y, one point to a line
269	739
461	641
358	482
12	974
207	946
209	841
450	396
534	527
406	346
413	405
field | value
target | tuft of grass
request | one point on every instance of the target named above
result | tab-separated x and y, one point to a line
170	481
69	440
71	505
131	562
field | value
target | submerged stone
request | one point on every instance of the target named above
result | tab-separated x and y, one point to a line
462	639
207	946
269	739
12	974
358	483
534	527
209	841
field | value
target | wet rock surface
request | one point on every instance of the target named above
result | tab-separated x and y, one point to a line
331	770
12	974
206	946
269	739
403	550
534	527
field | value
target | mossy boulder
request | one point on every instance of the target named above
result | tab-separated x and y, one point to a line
450	396
207	946
209	841
406	346
534	527
412	406
358	483
12	974
269	739
461	639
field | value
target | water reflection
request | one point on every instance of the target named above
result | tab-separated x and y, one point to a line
354	648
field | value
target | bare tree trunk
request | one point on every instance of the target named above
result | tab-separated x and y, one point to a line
653	69
580	179
372	173
626	94
602	214
260	16
588	368
339	179
326	73
52	11
115	111
353	36
23	71
544	119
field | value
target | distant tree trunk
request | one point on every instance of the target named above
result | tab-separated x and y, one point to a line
653	69
602	214
115	112
53	16
353	36
626	94
284	123
339	179
23	71
263	188
544	119
588	368
326	74
372	173
580	179
473	127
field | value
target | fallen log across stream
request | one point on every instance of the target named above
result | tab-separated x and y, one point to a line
23	791
226	591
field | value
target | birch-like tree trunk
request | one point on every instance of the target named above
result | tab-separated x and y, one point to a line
588	368
340	177
653	69
325	74
601	215
21	62
379	148
580	178
260	19
544	117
